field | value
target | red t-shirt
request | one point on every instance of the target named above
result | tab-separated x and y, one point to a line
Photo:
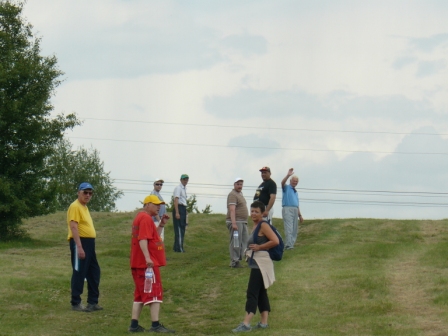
143	227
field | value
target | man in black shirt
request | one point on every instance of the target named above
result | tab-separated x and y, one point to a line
266	193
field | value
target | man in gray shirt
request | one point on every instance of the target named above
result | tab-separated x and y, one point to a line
158	184
236	220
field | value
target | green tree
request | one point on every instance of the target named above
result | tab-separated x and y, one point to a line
191	206
27	131
68	168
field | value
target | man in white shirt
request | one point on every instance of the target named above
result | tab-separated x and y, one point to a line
180	213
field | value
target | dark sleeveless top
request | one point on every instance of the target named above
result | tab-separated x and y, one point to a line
260	240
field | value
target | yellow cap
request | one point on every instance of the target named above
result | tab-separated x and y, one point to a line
152	199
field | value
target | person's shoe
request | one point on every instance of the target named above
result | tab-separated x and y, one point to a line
161	329
260	325
136	329
79	307
237	265
93	307
242	328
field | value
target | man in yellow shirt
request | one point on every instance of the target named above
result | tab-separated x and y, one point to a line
81	235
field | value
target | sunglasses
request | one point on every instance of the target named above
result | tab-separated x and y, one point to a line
87	192
159	184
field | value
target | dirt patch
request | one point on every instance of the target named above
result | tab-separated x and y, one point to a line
409	289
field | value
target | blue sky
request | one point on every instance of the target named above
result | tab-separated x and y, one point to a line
352	94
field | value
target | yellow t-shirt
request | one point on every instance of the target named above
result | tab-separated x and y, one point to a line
80	214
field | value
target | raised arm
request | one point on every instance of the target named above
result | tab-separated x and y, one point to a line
290	172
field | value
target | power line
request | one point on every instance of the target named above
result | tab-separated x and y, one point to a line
264	128
255	147
329	201
322	190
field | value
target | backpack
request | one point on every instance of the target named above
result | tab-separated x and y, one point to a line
276	253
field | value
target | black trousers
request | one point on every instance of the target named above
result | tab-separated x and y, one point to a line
179	228
87	268
257	295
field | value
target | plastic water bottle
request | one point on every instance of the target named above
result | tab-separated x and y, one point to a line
236	241
149	279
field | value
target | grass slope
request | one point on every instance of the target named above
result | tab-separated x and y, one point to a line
345	277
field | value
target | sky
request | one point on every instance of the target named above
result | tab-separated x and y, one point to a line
351	94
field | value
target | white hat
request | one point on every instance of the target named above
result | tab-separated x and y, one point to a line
238	179
159	180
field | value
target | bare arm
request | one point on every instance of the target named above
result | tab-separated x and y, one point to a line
290	172
270	205
266	230
162	223
232	211
144	247
77	239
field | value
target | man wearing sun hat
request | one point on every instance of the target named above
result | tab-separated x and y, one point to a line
266	193
81	237
147	250
236	220
180	213
158	184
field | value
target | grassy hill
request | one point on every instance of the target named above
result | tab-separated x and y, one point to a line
345	277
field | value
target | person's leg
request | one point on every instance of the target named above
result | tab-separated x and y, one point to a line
176	225
136	310
252	294
232	251
137	306
93	275
288	226
183	226
79	273
295	226
155	309
264	306
242	235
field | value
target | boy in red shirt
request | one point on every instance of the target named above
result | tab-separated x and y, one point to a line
147	250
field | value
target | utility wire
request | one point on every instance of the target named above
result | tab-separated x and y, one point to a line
348	191
264	148
263	128
318	200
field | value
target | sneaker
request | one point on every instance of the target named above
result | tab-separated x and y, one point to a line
161	329
260	325
242	328
79	307
237	265
136	329
93	307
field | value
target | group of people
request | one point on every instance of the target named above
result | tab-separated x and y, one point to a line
148	250
254	249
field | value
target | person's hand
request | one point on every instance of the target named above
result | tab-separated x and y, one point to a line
234	227
164	219
177	215
290	171
301	219
81	253
149	262
254	247
265	213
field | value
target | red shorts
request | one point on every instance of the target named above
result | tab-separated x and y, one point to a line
156	294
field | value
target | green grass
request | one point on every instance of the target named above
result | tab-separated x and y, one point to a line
345	277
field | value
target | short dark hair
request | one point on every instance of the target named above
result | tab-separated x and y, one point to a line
258	204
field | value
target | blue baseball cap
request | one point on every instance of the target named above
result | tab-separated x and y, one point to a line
85	185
